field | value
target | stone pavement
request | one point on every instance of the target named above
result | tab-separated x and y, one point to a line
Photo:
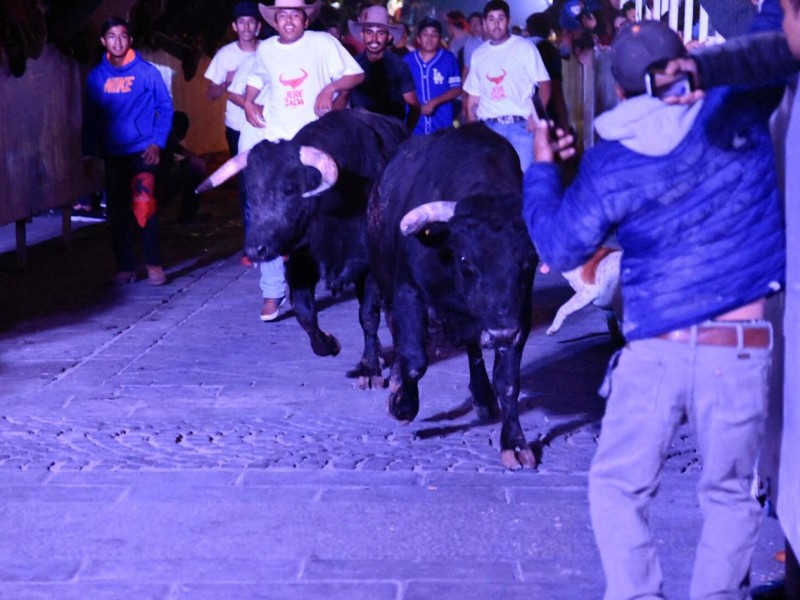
164	443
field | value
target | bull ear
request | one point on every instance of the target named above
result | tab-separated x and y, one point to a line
226	171
432	212
322	162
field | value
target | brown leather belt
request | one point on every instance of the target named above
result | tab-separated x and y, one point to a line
753	335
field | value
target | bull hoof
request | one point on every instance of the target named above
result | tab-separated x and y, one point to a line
371	382
518	459
327	345
401	409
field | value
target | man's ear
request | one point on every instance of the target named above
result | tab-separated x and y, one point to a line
619	91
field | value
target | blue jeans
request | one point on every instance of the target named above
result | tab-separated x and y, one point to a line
519	137
655	385
272	281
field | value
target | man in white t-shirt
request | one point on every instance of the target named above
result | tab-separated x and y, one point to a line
302	75
305	71
247	25
505	74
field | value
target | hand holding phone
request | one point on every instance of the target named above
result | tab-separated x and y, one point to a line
662	85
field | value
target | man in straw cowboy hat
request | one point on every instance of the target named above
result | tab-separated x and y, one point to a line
388	86
305	74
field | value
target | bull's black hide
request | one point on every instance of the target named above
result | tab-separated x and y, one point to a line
474	266
324	234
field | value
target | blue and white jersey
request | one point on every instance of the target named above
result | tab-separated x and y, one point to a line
432	79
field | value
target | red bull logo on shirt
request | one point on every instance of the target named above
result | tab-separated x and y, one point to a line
498	91
294	97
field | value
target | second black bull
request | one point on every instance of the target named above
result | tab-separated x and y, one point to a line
308	200
446	234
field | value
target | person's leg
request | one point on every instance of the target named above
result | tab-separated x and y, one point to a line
273	287
150	245
232	138
518	136
642	413
729	409
118	173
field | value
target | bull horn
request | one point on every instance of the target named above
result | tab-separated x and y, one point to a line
225	172
322	162
436	212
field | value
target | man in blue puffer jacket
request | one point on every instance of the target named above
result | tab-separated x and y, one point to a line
690	192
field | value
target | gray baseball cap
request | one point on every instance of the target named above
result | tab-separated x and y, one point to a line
639	47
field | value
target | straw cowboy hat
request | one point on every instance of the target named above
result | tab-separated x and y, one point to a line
268	12
377	16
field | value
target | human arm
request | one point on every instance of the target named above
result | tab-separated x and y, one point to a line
566	226
252	111
325	99
216	90
471	108
163	111
151	155
756	59
545	148
430	107
544	90
413	110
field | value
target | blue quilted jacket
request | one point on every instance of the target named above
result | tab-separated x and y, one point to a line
690	193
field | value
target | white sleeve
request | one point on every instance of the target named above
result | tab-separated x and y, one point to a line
239	82
540	71
258	75
216	71
338	60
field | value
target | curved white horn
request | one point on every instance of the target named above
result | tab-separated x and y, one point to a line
322	162
226	171
437	212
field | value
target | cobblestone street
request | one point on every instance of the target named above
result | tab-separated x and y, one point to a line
162	442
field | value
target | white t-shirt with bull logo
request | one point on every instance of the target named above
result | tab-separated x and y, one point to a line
504	78
294	75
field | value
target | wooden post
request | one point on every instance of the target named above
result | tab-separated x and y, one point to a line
22	245
66	226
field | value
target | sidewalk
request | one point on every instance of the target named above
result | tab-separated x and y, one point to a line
161	442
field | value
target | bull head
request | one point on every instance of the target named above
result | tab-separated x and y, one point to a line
309	156
432	212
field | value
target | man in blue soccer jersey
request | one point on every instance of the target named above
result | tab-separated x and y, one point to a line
436	76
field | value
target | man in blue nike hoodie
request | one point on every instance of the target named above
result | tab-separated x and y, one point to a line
691	194
127	117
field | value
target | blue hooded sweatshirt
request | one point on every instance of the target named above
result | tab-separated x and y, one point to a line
126	109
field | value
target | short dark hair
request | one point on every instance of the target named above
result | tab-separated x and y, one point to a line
114	22
429	22
457	19
496	5
628	5
538	25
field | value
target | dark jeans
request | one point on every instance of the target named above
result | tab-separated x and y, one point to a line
232	137
120	170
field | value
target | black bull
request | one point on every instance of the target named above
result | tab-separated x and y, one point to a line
446	233
308	200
